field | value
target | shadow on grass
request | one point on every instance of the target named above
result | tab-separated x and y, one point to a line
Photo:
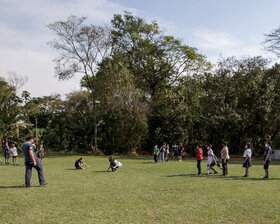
72	169
223	177
100	171
20	186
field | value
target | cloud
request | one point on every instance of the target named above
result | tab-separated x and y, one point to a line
24	35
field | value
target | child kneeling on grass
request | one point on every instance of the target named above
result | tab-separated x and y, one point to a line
79	164
113	164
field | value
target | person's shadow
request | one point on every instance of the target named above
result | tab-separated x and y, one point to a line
18	186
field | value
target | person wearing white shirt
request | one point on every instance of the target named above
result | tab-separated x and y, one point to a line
14	154
247	163
210	158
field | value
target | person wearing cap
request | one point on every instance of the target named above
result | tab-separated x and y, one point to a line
31	161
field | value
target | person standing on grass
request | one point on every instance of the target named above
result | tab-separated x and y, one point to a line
247	163
31	161
175	149
40	152
199	158
156	152
180	152
267	158
210	158
14	154
7	153
167	153
162	153
225	158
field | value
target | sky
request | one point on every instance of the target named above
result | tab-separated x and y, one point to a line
218	28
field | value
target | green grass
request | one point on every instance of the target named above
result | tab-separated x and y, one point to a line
141	192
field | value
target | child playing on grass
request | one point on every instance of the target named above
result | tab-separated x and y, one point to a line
79	164
267	158
199	158
14	154
247	159
114	164
210	158
215	162
156	152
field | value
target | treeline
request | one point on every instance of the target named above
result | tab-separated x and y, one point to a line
141	87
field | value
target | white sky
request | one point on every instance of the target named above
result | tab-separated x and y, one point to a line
216	27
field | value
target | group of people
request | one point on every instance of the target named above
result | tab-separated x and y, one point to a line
11	151
212	159
113	164
162	154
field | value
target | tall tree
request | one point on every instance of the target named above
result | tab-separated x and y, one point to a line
272	42
81	47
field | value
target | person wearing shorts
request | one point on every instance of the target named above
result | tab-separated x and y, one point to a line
40	152
267	158
7	153
247	163
14	154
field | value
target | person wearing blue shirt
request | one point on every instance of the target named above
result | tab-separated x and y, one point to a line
267	158
7	153
32	161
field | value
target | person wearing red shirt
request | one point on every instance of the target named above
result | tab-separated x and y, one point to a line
199	158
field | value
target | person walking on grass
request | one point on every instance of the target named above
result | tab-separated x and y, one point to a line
162	153
247	163
210	158
199	158
31	161
14	154
180	152
156	152
7	153
215	162
267	158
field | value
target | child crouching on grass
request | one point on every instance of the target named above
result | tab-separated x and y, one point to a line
113	164
79	164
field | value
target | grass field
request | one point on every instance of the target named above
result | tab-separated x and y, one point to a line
141	192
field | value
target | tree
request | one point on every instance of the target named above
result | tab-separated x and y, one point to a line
81	48
9	111
272	42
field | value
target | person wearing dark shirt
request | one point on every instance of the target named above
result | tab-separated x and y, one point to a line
7	153
267	158
79	164
31	161
180	152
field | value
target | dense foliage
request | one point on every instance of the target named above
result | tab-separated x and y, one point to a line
141	87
